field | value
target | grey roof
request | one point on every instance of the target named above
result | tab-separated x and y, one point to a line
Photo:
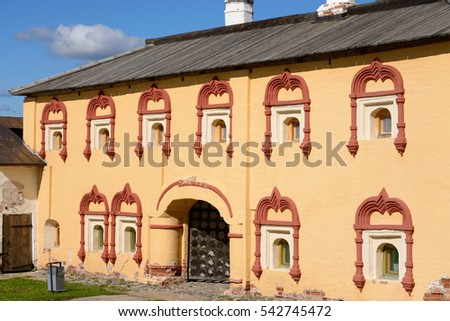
14	152
363	29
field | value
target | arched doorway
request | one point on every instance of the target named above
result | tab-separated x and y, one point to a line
209	246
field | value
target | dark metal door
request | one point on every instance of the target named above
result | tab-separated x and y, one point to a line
17	243
209	246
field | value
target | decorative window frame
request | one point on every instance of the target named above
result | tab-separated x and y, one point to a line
122	222
54	106
372	240
94	196
127	197
279	115
269	234
217	88
148	122
209	117
154	94
278	203
289	82
377	71
367	106
101	101
90	222
382	204
96	126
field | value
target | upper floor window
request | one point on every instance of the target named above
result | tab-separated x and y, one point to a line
215	116
292	129
153	130
377	112
376	116
154	121
100	133
215	124
100	115
287	124
287	118
219	131
54	129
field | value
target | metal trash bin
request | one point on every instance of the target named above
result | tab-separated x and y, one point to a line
55	277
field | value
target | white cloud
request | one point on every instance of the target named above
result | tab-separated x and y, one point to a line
81	41
35	33
91	42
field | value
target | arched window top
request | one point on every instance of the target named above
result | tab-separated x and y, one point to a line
154	94
54	107
127	197
101	101
94	196
217	88
289	82
376	71
278	203
382	204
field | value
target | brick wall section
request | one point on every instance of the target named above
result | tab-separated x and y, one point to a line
438	290
307	295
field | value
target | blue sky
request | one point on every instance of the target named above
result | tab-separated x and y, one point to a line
42	38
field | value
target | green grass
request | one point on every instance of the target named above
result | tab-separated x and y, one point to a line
23	289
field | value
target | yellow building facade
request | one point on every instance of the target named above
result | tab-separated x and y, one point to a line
325	174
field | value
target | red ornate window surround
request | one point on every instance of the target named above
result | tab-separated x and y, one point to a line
55	107
382	204
101	101
127	197
377	71
217	88
289	82
154	94
94	196
278	203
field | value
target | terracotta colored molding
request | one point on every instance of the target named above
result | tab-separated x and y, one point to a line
101	101
54	106
382	204
377	71
127	197
94	196
166	227
217	88
154	94
193	183
289	82
235	235
278	203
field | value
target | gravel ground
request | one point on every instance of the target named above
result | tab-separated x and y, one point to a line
133	291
